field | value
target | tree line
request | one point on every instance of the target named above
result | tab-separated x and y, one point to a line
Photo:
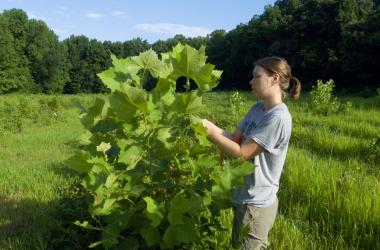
338	39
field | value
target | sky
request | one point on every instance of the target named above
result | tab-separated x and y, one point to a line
122	20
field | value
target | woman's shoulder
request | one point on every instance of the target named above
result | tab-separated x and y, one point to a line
280	113
259	105
280	109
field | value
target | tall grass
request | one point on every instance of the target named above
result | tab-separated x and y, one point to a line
329	191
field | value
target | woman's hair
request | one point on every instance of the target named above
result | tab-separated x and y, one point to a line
289	84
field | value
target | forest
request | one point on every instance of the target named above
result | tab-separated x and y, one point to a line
324	39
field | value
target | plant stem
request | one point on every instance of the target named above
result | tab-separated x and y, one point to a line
187	84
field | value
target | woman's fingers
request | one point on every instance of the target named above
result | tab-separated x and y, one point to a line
206	123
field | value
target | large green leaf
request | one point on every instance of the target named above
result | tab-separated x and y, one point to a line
152	211
96	177
179	205
184	233
164	91
163	134
200	133
151	235
187	103
191	64
229	177
110	235
79	162
124	72
104	207
126	67
108	78
148	61
124	109
233	176
130	156
97	112
136	96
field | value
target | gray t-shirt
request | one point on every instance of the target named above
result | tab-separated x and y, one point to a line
271	129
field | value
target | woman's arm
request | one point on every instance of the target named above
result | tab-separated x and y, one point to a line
236	136
230	143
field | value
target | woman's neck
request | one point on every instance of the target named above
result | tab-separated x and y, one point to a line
272	101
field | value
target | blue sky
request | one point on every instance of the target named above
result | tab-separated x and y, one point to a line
121	20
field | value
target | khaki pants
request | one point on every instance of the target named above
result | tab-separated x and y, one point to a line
256	221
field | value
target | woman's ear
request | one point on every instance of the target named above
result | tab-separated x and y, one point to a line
276	78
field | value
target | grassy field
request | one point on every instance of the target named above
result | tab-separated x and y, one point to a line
329	193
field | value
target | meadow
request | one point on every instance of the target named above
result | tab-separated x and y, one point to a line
329	193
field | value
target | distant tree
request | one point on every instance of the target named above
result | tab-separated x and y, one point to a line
48	58
98	59
197	41
236	71
308	33
18	26
87	58
161	46
216	49
135	46
321	39
76	46
361	47
116	48
14	65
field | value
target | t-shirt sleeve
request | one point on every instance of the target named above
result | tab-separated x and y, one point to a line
243	123
268	133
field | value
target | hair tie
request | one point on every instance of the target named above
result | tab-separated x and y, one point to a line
291	82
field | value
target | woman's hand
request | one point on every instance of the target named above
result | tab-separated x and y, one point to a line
211	127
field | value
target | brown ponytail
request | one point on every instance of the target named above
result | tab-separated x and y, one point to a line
294	89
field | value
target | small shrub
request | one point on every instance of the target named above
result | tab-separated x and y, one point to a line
322	100
11	119
374	151
24	108
48	111
345	108
53	104
236	102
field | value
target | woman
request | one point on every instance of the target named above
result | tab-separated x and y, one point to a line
262	137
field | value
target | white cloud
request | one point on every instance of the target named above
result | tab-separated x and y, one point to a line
62	13
94	15
173	29
119	14
62	7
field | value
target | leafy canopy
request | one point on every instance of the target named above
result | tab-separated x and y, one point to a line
147	163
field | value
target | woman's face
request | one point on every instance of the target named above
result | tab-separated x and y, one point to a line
261	83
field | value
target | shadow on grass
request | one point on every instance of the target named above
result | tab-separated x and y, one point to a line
73	144
330	145
31	224
72	206
19	220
